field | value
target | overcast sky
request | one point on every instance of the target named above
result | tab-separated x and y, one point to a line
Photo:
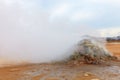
73	16
102	15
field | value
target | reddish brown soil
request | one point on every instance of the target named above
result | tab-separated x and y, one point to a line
114	48
106	71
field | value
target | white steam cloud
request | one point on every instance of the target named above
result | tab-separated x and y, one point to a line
27	34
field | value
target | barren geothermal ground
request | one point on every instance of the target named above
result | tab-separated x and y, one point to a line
105	71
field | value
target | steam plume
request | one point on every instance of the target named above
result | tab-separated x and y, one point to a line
27	35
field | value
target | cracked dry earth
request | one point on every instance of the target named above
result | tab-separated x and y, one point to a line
109	71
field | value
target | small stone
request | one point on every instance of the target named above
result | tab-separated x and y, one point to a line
95	79
86	74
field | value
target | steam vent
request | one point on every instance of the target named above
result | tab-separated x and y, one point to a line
91	50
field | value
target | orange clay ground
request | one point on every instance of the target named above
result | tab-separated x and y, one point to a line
114	48
106	71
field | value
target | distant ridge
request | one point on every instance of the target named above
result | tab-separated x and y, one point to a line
113	39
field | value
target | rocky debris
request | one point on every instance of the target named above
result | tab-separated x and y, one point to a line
91	51
86	76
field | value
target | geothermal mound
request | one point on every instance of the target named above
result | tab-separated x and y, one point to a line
91	50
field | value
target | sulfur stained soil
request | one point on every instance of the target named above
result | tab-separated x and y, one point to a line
57	71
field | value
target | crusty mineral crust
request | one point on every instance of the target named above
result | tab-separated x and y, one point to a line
91	51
